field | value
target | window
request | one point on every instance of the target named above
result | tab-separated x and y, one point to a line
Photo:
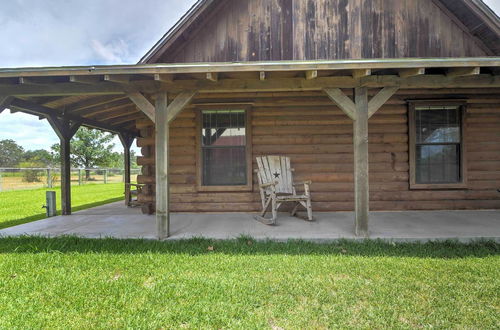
436	146
224	157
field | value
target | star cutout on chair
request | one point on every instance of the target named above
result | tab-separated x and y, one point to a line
276	175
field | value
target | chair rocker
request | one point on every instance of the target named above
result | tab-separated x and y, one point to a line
277	187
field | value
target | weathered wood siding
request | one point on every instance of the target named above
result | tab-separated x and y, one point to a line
318	138
261	30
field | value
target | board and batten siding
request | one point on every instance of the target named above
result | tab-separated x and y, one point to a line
318	137
273	30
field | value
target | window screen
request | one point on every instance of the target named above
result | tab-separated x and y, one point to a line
438	138
223	148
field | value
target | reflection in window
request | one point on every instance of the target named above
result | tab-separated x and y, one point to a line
223	148
438	144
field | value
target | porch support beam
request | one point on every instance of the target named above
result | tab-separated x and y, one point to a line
4	102
179	103
65	130
379	100
143	104
162	164
126	141
342	101
361	178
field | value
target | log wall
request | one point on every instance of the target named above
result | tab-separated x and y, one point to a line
318	138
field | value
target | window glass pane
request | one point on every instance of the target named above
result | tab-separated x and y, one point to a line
438	164
223	128
223	148
441	125
224	166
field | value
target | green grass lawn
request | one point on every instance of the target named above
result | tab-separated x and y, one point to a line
79	283
21	206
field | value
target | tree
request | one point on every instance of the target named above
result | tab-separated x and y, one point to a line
90	148
40	156
10	153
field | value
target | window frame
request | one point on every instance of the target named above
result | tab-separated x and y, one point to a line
462	105
199	151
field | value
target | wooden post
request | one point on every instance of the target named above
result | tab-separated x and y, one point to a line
80	177
361	181
66	176
360	111
162	187
127	143
105	176
65	130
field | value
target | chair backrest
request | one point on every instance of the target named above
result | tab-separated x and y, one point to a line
276	168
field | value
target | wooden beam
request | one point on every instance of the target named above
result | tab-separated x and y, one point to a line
143	104
361	73
379	100
361	179
463	72
120	79
311	74
269	66
164	77
262	75
65	130
4	102
179	103
342	101
36	109
213	76
92	102
126	141
162	164
85	79
405	73
255	85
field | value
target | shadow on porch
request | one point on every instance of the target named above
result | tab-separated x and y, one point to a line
115	220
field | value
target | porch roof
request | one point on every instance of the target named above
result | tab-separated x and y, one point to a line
103	96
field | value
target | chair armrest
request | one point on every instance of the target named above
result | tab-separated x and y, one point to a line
267	185
302	183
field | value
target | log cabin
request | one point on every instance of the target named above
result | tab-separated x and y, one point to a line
383	104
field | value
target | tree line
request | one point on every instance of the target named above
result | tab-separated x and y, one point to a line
89	149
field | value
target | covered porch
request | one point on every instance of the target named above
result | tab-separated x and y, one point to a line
116	98
117	221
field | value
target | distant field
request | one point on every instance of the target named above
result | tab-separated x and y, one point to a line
15	181
22	206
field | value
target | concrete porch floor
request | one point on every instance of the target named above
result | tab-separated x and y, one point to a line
115	220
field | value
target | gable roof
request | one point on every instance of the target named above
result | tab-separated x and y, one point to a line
473	15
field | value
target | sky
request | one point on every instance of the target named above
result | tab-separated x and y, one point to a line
76	32
80	32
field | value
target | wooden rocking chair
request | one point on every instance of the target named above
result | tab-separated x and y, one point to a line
277	187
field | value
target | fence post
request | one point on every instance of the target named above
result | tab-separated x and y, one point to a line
105	176
80	178
0	180
49	178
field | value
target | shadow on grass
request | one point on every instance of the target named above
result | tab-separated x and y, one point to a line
248	246
41	216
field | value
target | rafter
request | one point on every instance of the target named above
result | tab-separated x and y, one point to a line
40	110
